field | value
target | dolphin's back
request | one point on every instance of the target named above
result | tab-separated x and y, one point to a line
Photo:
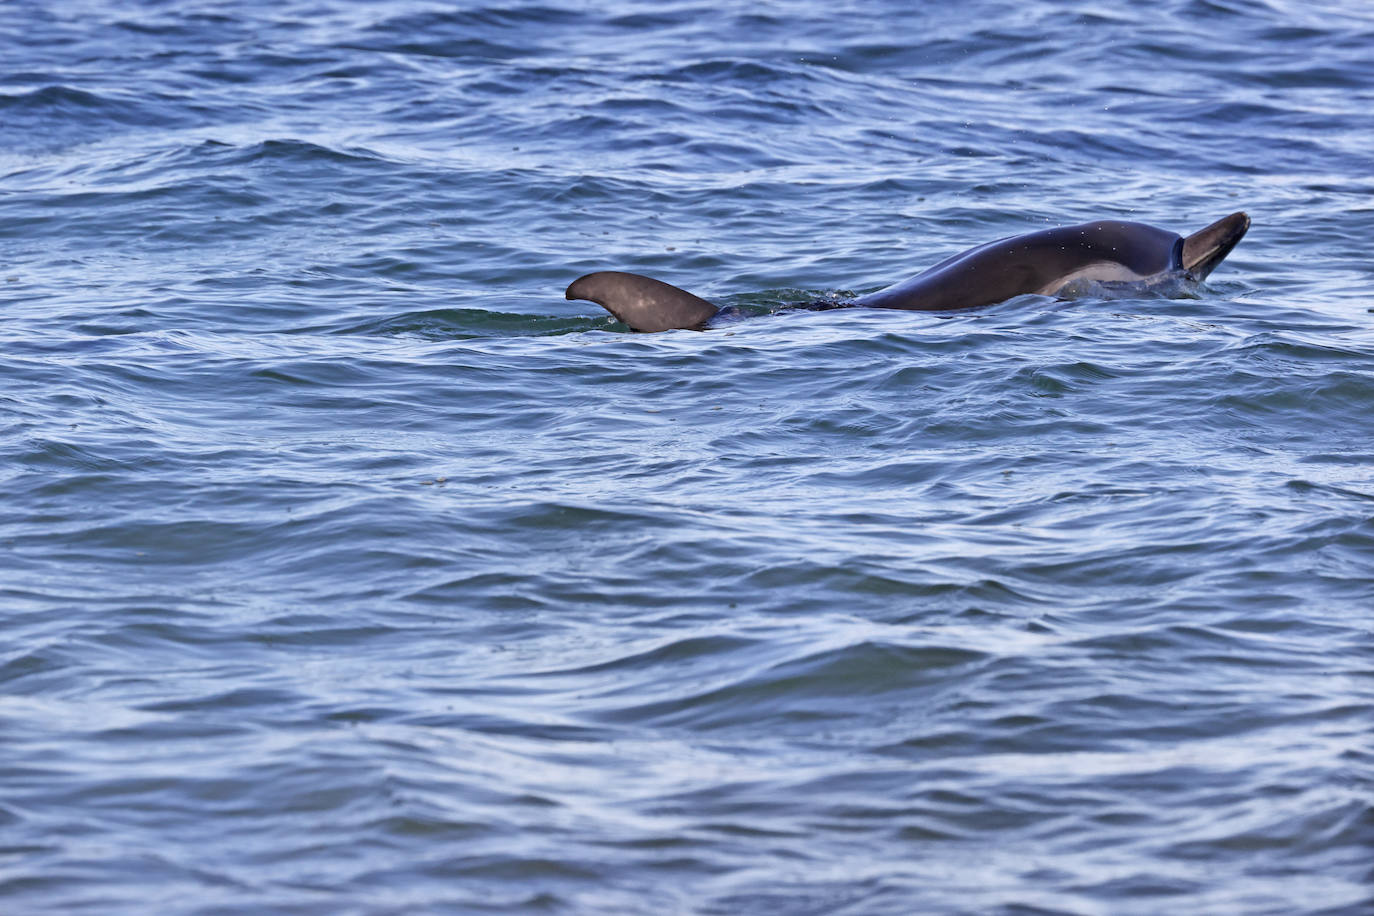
1041	262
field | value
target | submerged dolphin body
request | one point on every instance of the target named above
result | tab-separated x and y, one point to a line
1072	259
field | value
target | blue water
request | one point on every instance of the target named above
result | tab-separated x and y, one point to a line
347	567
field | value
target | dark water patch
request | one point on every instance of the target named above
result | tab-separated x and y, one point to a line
793	693
739	74
237	699
59	112
34	671
680	653
463	324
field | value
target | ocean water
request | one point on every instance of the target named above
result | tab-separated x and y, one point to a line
346	567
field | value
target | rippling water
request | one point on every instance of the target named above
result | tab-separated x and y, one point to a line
347	567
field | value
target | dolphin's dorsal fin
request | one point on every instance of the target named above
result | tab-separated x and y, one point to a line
1205	249
645	304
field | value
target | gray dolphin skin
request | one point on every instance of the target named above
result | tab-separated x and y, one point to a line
1051	262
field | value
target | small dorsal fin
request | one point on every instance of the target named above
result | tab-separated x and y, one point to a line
645	304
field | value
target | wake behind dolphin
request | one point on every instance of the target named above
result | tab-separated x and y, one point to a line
1071	260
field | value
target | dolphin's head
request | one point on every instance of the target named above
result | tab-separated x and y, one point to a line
1206	248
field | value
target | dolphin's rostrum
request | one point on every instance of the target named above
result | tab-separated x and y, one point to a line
1050	262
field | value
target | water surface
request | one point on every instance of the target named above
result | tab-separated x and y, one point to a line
347	567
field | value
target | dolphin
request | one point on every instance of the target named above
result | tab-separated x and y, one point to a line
1089	258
